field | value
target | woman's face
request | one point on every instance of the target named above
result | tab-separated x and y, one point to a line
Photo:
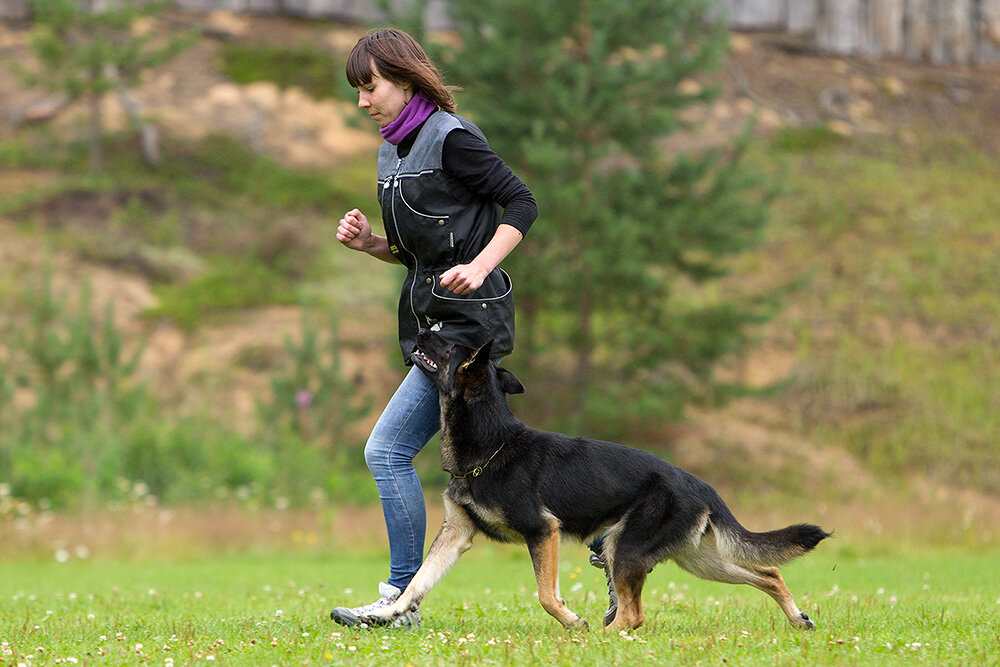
383	99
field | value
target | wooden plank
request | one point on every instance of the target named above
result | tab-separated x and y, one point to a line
802	16
838	27
757	14
15	10
917	30
951	31
885	28
988	32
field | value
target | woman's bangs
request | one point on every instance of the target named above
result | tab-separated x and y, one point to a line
359	67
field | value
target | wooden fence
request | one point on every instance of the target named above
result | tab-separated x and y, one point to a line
936	31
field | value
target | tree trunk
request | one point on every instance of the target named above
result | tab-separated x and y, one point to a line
96	134
584	347
149	136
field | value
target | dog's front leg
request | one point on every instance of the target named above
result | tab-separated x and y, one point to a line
544	552
454	539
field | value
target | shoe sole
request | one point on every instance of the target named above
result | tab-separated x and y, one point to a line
345	616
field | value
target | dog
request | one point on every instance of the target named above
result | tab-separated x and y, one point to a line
515	483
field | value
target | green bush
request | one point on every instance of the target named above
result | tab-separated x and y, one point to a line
79	425
802	139
227	289
316	72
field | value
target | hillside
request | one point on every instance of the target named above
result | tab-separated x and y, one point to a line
884	357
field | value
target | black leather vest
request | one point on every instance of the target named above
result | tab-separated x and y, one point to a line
434	223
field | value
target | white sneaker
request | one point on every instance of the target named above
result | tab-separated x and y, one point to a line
388	593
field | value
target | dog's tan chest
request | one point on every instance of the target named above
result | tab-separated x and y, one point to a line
489	520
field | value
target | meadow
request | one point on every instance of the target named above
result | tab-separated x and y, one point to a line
876	607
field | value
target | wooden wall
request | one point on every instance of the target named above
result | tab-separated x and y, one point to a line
936	31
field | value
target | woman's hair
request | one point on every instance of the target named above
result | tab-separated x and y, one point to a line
396	56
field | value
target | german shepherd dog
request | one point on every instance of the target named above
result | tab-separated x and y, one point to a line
516	483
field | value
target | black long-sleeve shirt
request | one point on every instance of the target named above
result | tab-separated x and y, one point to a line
470	160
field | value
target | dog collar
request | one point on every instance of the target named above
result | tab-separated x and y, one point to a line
478	470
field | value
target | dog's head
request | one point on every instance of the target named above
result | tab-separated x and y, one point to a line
458	370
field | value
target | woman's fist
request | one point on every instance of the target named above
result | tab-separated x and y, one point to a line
354	231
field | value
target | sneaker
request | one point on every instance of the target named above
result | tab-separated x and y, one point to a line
352	616
597	560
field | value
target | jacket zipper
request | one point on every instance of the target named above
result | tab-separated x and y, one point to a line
395	224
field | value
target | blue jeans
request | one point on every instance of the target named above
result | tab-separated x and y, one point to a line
408	422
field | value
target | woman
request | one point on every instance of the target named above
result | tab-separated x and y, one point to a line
441	189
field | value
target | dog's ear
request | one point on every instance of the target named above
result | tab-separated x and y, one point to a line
509	382
479	358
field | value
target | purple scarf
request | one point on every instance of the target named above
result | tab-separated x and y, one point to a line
416	111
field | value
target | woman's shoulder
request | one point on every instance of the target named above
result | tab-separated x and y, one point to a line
449	121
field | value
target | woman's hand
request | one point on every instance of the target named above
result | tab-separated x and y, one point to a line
354	231
464	278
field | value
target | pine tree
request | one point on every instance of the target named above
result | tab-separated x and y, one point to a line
577	96
85	50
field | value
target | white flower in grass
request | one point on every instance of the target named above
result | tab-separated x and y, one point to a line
62	556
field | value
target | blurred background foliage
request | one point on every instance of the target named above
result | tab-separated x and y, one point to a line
840	287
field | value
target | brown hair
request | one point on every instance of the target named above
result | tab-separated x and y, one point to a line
396	56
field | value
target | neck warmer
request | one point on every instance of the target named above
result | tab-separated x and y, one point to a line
416	111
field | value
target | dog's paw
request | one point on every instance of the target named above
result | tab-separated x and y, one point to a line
396	616
381	617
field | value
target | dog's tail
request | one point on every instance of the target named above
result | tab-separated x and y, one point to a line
768	549
776	547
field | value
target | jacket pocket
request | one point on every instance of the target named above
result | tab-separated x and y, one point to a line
472	319
496	287
433	234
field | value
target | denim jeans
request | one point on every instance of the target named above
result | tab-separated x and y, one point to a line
408	422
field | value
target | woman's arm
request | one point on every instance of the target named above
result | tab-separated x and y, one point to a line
469	159
355	232
466	278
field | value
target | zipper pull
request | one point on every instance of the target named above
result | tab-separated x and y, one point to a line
399	167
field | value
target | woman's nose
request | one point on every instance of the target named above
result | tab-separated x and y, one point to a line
363	101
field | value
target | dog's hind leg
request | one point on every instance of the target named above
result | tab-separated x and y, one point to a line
628	580
544	552
454	539
707	562
769	580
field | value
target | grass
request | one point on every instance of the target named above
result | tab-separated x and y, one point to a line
898	320
305	66
930	606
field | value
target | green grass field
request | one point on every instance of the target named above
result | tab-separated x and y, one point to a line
936	607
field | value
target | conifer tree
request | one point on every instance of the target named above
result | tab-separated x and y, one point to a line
86	49
577	96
